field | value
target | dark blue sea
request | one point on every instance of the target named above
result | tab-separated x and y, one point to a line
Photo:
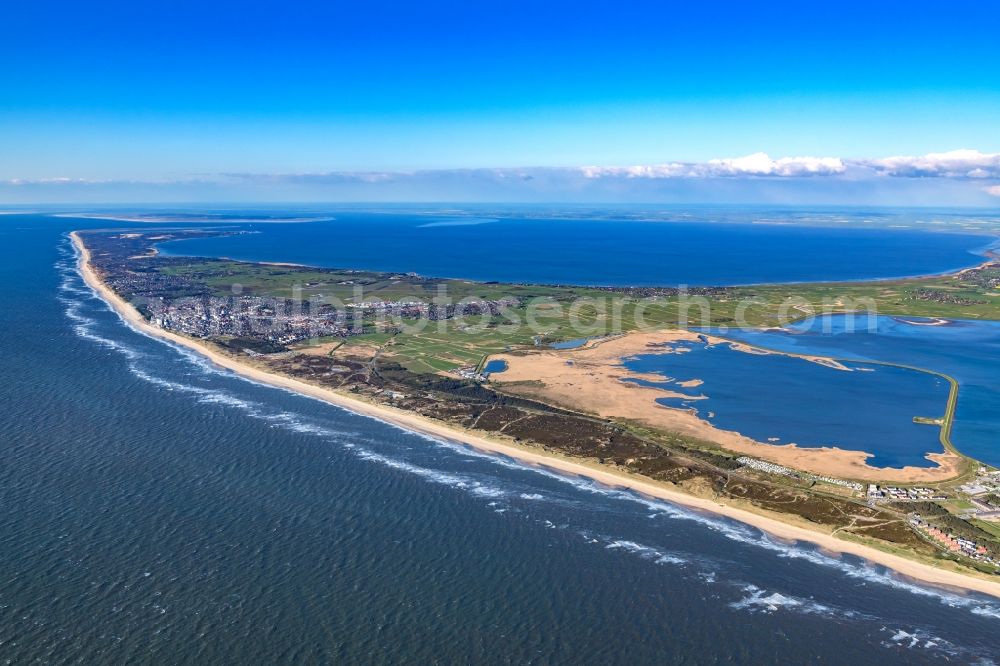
596	251
154	509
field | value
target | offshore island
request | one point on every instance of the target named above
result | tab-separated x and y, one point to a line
387	345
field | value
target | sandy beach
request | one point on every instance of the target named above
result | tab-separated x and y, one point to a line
772	525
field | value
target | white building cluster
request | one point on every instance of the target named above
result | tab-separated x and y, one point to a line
916	494
771	468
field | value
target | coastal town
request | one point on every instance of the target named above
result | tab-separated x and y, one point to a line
266	320
184	304
282	322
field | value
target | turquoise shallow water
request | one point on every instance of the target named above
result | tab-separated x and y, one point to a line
154	509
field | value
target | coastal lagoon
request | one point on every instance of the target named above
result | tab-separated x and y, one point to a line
781	399
968	351
154	509
596	251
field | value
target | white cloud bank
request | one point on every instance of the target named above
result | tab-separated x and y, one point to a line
952	164
959	177
956	164
757	164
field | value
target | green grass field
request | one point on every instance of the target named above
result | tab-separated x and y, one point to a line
988	526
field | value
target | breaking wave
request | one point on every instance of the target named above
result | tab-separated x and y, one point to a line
762	601
646	552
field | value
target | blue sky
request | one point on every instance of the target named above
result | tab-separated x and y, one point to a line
174	99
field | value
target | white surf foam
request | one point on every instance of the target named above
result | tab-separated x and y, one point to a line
470	485
764	601
646	552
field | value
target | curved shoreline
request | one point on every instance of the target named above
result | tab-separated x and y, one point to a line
913	569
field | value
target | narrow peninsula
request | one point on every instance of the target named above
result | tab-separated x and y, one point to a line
465	368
